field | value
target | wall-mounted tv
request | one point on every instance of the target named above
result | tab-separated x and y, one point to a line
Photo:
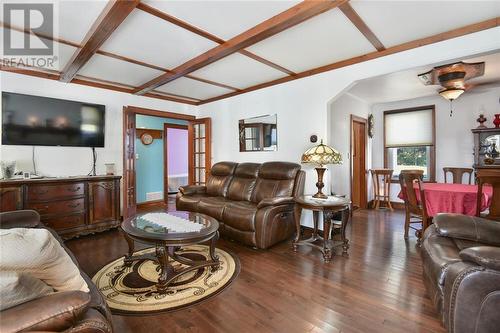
42	121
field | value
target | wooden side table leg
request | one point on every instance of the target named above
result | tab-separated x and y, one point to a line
297	214
345	220
327	251
315	226
130	242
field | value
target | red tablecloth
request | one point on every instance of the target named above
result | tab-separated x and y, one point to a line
452	198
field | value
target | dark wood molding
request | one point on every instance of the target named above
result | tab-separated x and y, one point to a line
361	25
111	17
471	28
354	118
149	204
155	133
287	19
432	167
169	18
158	113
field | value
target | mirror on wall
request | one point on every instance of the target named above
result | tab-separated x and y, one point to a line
259	133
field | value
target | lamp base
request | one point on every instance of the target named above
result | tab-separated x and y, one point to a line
320	184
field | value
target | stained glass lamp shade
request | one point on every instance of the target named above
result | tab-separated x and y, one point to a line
321	155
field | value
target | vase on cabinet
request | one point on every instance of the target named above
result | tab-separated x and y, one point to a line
496	121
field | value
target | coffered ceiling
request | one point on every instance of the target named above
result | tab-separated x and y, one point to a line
197	52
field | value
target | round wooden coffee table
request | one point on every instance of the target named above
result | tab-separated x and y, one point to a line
168	238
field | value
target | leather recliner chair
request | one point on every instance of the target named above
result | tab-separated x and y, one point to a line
461	271
68	311
253	202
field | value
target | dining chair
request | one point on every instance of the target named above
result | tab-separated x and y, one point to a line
415	210
382	187
488	177
457	174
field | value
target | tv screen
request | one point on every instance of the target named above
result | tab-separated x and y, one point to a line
42	121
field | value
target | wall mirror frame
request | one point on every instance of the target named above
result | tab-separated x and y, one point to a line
259	133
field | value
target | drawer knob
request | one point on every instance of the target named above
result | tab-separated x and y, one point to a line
74	189
74	205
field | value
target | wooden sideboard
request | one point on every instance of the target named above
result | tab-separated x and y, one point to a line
72	206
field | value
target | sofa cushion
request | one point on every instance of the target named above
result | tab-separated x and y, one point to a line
219	179
240	215
275	179
212	206
38	253
243	182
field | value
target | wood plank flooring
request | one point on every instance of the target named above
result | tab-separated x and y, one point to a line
378	288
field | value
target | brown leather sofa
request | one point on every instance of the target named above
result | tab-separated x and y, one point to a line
70	311
252	202
461	270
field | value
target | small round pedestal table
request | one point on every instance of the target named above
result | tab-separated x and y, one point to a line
332	208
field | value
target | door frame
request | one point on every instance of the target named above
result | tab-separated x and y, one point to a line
166	126
129	111
357	119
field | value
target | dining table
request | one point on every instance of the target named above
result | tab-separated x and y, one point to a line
452	198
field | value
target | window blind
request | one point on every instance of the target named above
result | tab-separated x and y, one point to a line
412	128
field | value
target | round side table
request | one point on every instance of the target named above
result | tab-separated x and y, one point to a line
332	207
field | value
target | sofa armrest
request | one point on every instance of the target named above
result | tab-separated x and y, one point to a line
486	256
193	189
55	313
468	227
19	219
275	201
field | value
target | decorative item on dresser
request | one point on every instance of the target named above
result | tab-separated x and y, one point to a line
321	155
496	121
481	120
72	206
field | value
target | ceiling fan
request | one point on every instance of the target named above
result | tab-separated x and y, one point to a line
453	77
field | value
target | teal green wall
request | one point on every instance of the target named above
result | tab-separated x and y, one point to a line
149	165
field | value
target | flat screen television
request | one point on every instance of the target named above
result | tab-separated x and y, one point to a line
42	121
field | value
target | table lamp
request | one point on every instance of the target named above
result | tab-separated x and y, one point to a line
321	155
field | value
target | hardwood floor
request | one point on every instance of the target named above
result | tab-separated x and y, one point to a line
378	288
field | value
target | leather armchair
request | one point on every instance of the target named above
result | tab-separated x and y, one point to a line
71	311
461	259
252	202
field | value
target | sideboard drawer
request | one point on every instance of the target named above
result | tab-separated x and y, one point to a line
51	192
58	207
65	222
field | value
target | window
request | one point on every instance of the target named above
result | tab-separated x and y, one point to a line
409	140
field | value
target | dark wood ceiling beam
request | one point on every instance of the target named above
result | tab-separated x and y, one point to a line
115	12
174	20
116	56
287	19
472	28
361	25
92	82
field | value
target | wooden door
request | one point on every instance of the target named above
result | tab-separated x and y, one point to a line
11	198
129	196
103	198
358	162
200	157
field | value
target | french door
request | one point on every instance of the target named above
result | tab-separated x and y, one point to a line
199	133
199	151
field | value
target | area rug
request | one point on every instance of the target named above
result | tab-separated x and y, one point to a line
132	290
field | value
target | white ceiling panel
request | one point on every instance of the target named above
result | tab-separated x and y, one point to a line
322	40
238	71
110	69
76	18
62	52
396	22
150	39
224	19
192	88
